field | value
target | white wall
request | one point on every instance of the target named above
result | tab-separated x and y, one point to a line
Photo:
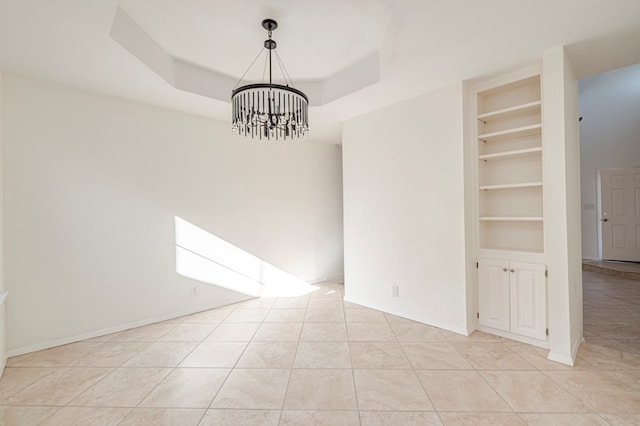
609	137
404	209
3	357
92	186
561	171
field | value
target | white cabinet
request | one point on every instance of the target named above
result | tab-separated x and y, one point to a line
493	294
512	297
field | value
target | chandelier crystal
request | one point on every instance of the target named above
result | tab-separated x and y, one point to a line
268	112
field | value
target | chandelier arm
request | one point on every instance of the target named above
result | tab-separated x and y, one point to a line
264	69
245	73
285	74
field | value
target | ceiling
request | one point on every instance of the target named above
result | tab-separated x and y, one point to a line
351	56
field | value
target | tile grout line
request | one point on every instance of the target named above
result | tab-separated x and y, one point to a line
131	409
413	369
231	370
353	374
172	369
295	355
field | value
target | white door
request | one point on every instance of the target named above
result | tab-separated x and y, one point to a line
493	294
620	213
528	300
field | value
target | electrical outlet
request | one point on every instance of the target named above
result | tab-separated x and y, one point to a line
194	290
395	290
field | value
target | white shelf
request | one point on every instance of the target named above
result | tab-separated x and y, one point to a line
510	112
510	220
512	133
511	185
513	254
513	218
511	154
511	250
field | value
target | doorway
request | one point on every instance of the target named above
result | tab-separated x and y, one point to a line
619	214
610	190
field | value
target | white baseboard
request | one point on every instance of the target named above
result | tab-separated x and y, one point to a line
522	339
335	278
101	332
561	358
571	358
428	321
576	346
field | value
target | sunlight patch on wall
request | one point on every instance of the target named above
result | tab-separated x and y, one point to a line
202	256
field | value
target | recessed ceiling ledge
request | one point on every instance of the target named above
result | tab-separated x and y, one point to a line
203	81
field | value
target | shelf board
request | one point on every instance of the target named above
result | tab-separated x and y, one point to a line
511	154
511	185
512	133
512	111
513	250
512	218
513	253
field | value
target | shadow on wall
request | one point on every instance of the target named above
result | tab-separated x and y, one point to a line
202	256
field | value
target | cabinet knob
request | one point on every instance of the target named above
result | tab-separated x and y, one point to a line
505	269
513	270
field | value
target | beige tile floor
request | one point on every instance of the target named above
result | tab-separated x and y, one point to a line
628	270
612	311
316	360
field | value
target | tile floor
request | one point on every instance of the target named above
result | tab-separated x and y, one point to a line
611	311
628	270
316	360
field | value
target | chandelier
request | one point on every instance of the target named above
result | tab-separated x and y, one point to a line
268	112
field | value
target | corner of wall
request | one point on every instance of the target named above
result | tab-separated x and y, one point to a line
568	359
561	358
470	166
3	353
562	223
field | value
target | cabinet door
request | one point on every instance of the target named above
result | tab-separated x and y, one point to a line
528	300
493	294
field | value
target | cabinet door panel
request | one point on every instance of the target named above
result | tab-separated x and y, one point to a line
528	300
493	294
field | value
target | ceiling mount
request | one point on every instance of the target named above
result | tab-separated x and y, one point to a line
269	24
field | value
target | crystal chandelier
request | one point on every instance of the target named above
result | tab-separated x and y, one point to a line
268	112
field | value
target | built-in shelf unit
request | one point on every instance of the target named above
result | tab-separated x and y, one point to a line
510	217
510	166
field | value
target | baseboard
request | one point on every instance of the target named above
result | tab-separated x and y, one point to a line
101	332
568	359
445	326
516	337
335	278
561	358
575	347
